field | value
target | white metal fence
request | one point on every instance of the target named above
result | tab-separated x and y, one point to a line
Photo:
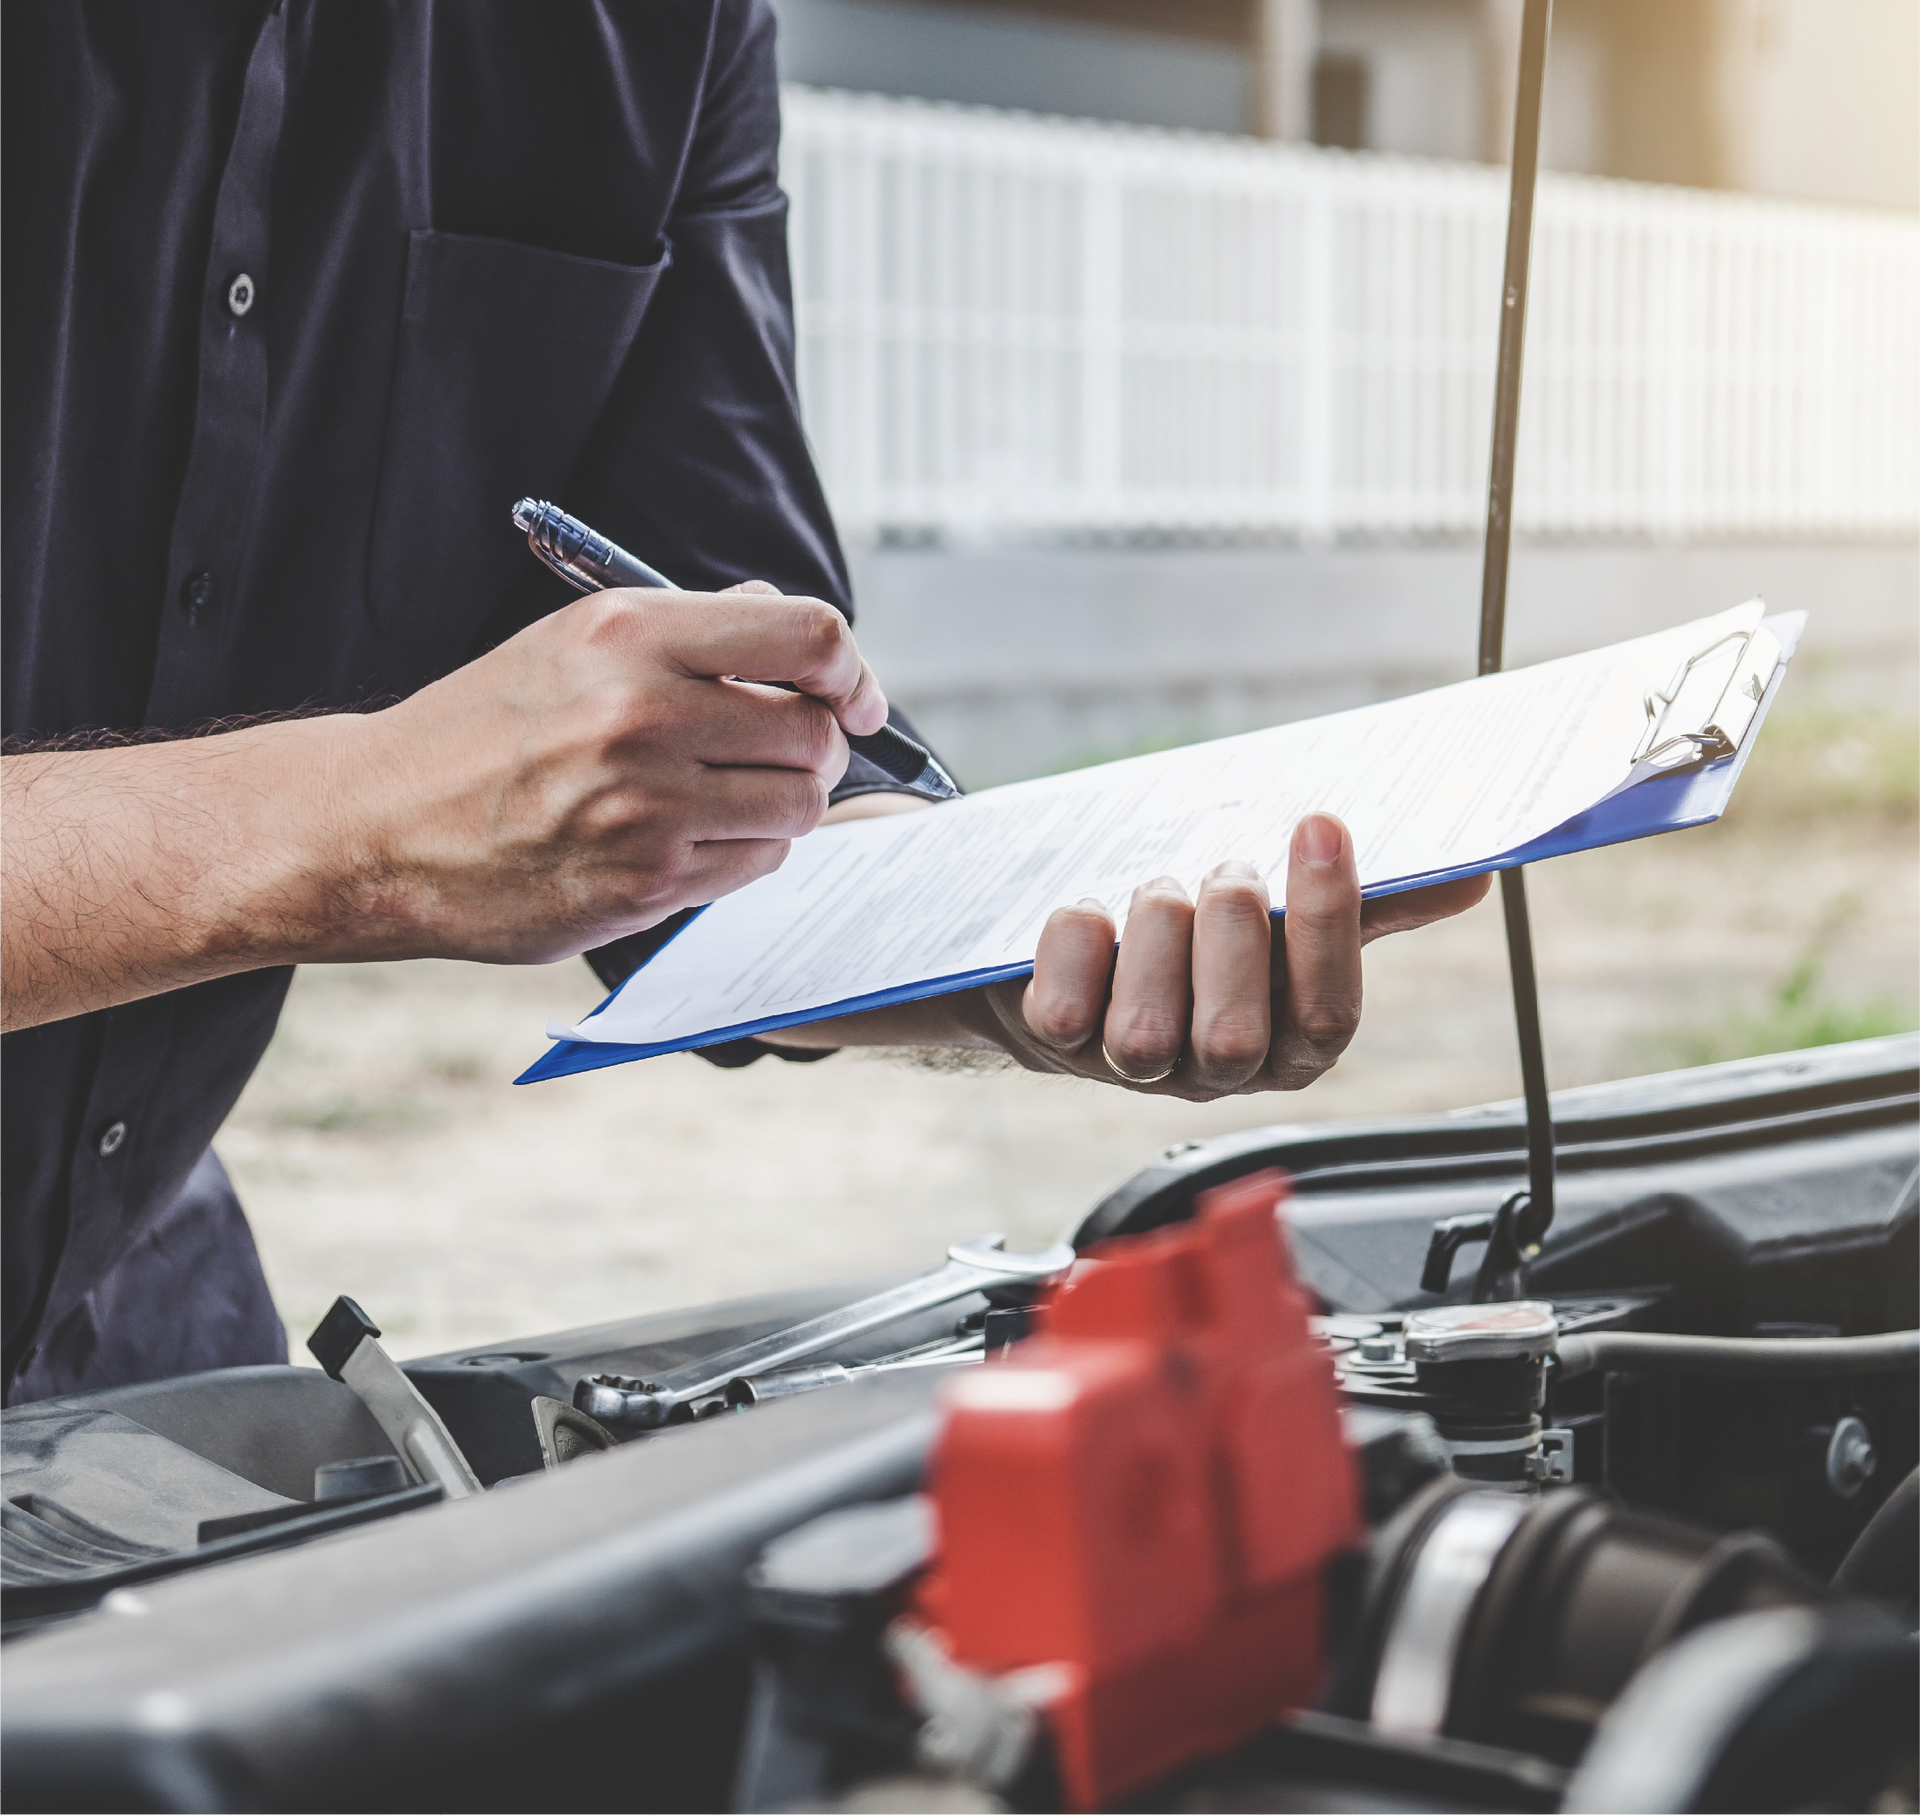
1011	324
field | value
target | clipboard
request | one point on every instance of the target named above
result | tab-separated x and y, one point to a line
1700	730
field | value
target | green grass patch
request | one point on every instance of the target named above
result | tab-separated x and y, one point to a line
1799	1013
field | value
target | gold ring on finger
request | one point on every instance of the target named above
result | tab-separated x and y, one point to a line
1127	1077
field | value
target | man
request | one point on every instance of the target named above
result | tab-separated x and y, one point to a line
300	298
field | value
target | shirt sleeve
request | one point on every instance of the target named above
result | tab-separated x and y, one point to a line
700	460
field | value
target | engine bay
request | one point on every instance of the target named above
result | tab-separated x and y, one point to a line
1362	1506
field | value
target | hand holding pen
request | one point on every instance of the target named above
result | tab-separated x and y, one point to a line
592	563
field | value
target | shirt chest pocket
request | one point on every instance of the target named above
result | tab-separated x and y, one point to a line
506	357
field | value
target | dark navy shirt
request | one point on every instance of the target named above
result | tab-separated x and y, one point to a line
298	300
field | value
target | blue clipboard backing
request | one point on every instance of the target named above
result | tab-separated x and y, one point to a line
1662	803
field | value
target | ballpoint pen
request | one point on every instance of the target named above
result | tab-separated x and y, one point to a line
592	563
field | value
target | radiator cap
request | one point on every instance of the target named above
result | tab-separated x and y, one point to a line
1523	1327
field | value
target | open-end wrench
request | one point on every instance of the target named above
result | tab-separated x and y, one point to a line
784	1383
971	1267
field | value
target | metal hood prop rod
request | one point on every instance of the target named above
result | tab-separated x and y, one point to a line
1525	1217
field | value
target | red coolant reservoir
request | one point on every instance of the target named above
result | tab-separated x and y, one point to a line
1145	1496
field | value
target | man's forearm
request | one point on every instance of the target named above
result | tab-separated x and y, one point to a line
585	779
136	870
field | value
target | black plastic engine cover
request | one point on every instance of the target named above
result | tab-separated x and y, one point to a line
1776	1190
575	1641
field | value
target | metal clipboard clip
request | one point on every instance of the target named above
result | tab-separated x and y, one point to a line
1708	707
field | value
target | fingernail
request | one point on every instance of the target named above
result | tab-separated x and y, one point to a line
1234	870
1087	901
1317	839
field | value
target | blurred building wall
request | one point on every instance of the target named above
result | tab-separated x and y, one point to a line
1037	61
1805	98
1820	98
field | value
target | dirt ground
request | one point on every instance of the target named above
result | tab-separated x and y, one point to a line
383	1152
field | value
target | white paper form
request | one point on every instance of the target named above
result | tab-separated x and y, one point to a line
916	904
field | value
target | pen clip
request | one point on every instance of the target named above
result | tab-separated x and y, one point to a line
581	555
558	541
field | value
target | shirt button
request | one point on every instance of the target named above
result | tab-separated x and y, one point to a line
240	294
196	594
112	1138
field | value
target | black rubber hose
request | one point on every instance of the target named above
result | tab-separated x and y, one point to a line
1786	1357
1885	1558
